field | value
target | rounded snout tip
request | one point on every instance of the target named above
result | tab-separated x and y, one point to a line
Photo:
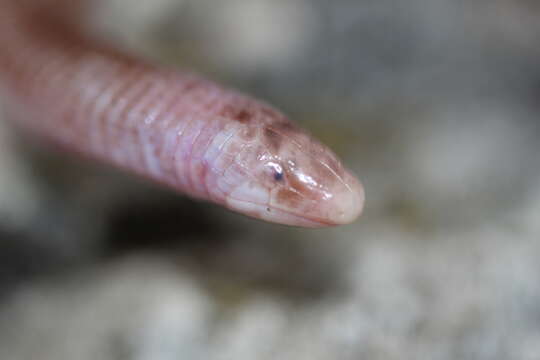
347	203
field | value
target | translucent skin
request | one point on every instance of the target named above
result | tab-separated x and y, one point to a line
195	136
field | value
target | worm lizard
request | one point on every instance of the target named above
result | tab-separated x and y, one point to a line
176	128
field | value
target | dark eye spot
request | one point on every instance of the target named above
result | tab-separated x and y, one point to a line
278	175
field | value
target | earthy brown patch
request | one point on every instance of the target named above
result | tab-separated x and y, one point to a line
289	198
300	187
227	111
243	116
273	139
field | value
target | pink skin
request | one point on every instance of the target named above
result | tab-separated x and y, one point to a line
188	133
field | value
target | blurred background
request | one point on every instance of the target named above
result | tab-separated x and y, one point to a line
433	103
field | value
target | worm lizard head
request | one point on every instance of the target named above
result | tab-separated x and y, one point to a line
295	180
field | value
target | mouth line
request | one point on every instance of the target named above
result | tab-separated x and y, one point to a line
280	216
318	221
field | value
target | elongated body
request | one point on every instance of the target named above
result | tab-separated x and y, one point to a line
176	128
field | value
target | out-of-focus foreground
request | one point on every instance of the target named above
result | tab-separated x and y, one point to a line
434	104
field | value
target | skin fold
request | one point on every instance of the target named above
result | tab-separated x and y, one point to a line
173	127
